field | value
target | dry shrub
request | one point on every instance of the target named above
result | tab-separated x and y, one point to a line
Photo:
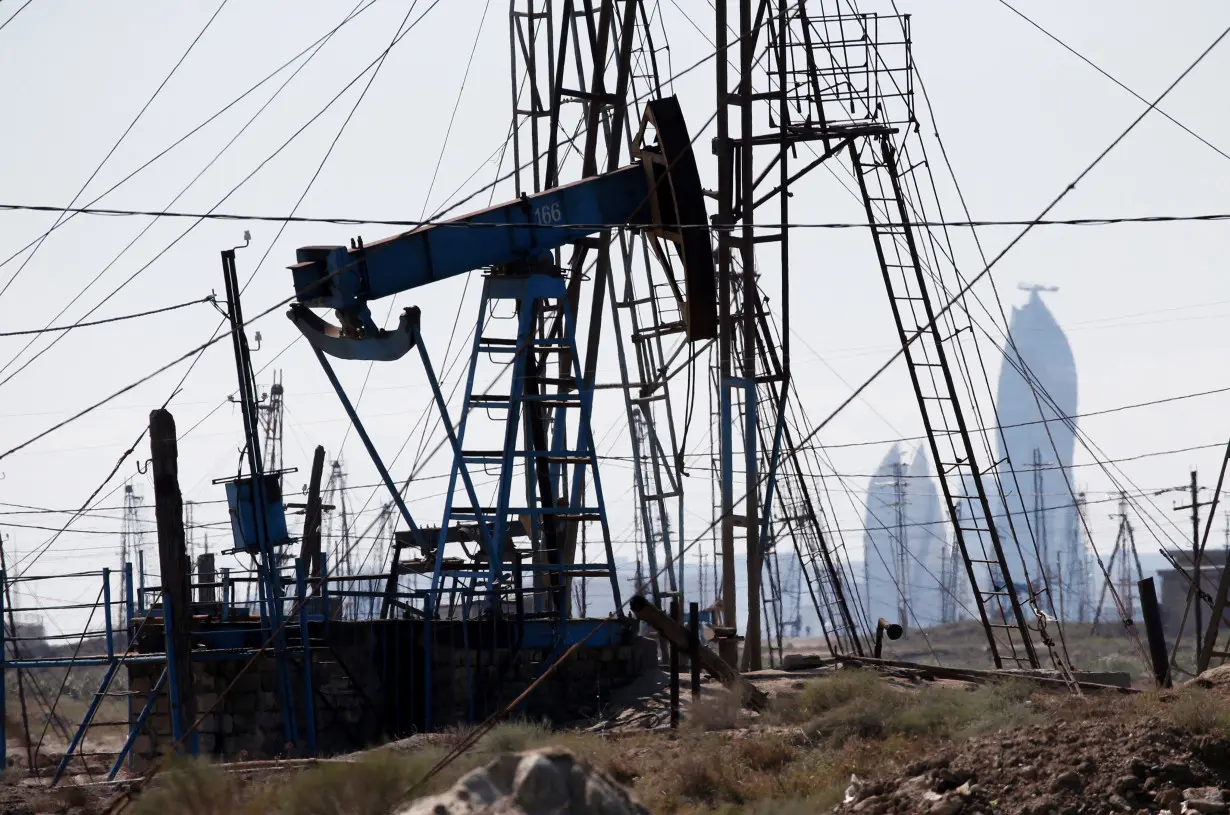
765	753
623	769
806	805
371	786
513	737
192	787
602	753
860	705
1193	708
841	689
456	734
701	777
720	712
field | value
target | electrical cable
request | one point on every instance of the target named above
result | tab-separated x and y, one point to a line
200	351
150	225
105	321
259	167
136	383
379	63
194	130
15	13
1106	74
426	200
1206	217
118	141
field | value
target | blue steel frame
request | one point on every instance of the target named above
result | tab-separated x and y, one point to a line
168	682
526	291
135	729
544	634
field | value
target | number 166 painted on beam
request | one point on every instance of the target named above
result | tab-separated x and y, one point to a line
548	214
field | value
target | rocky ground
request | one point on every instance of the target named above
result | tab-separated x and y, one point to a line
1098	767
835	739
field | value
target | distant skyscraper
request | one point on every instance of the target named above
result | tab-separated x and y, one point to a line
926	537
1040	514
904	542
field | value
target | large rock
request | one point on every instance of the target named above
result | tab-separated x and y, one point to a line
550	781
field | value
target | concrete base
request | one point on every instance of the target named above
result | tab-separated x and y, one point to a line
1118	679
383	679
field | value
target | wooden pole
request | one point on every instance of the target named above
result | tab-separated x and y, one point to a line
694	648
311	553
1153	630
205	578
21	685
175	568
721	670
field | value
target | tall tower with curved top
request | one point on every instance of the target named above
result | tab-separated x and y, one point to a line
1035	451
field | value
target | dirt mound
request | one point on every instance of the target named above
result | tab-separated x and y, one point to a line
1090	767
1216	679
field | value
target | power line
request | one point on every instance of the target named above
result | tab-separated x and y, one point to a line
1210	217
1047	468
197	223
138	382
319	41
1106	74
105	321
318	45
118	141
15	13
1055	418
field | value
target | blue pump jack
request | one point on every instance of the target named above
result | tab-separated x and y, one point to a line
516	242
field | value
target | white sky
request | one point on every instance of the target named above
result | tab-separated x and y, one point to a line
1020	117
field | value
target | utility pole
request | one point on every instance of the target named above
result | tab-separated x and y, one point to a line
175	572
12	638
1044	560
189	527
1078	566
900	551
950	584
310	549
1125	547
1194	506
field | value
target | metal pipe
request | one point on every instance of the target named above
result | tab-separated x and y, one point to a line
376	460
107	612
883	627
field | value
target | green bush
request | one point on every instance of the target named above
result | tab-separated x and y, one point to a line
1193	708
189	786
854	704
513	737
371	786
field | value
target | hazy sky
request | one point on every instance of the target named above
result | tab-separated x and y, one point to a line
1143	305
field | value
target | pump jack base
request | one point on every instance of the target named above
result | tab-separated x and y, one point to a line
386	346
